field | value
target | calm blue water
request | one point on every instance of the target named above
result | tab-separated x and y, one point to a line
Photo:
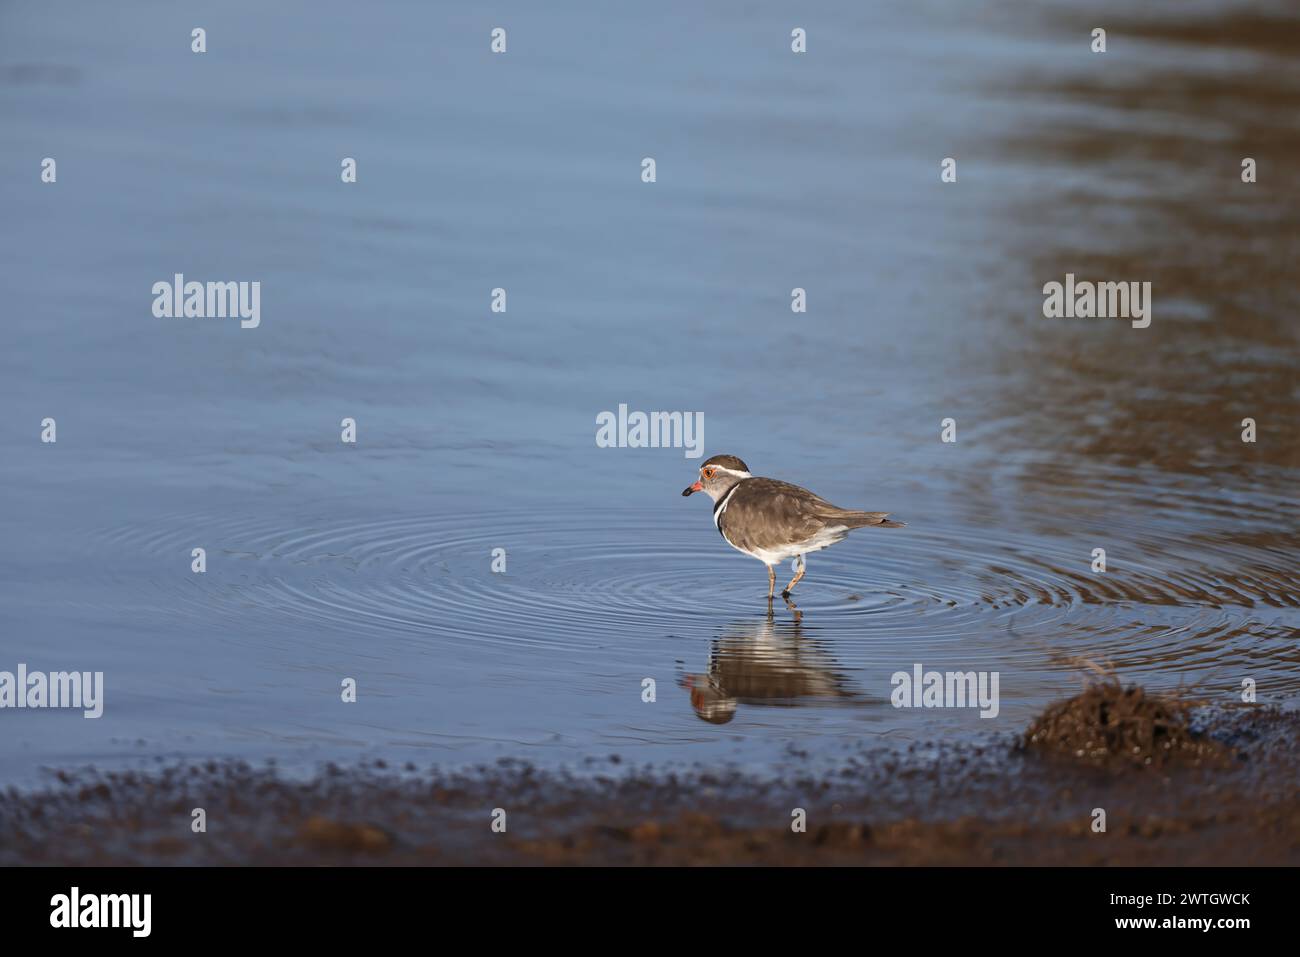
476	429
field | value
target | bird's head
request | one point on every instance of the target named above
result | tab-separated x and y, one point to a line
718	475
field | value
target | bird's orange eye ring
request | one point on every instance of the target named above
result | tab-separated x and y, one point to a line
709	473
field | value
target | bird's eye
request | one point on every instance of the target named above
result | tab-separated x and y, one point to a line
709	473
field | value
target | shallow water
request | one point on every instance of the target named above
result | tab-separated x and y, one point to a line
476	430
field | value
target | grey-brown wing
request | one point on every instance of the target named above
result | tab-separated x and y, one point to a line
765	513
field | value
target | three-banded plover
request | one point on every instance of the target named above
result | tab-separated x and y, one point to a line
773	520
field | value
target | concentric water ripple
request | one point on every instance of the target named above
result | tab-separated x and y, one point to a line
580	585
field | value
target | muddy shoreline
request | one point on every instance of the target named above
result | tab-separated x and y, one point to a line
937	804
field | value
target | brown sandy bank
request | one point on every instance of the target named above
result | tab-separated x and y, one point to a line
1230	796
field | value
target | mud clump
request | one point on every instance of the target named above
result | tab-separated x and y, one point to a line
1112	726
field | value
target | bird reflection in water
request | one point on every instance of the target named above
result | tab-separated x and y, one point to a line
766	662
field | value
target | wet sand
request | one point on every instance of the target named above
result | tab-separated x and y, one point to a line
926	804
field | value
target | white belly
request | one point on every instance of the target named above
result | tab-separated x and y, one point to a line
824	538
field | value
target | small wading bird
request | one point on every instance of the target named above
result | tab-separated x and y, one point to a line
773	520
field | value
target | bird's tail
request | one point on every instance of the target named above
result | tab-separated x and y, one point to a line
863	519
